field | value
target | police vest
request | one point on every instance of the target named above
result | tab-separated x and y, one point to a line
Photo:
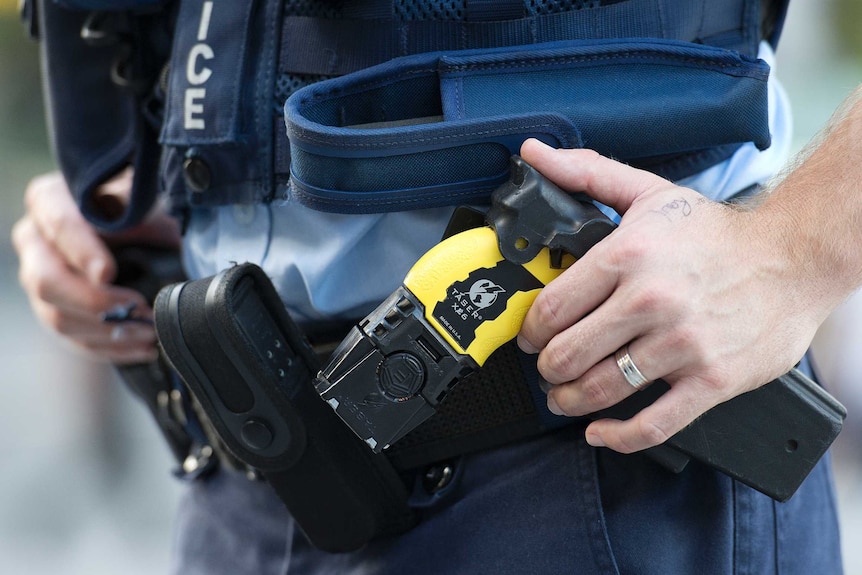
393	104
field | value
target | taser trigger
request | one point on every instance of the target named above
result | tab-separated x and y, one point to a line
529	213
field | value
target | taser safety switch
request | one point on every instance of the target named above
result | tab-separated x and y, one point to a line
469	294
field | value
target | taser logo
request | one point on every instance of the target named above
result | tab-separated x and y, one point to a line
197	73
480	298
484	293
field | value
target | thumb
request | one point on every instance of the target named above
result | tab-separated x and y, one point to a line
610	182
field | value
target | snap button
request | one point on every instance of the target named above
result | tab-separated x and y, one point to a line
256	434
197	174
437	477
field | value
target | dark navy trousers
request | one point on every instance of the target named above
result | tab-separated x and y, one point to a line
546	506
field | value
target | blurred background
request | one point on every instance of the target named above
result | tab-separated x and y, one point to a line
85	482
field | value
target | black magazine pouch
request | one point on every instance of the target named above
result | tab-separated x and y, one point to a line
251	368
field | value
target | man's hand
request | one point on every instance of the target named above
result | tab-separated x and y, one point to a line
66	269
705	295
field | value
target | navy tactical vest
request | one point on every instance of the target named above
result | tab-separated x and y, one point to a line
394	104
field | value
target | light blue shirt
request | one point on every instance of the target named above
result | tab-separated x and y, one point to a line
337	266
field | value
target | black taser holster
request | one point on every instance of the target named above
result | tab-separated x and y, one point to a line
251	368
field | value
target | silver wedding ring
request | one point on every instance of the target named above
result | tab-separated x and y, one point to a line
630	371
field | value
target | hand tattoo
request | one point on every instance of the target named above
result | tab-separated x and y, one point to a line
676	209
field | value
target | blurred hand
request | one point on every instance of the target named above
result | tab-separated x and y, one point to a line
706	296
66	270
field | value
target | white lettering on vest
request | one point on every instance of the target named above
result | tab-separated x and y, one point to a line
193	107
195	77
198	73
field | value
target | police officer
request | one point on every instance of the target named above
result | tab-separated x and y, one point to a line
687	289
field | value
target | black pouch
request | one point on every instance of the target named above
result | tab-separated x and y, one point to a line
251	368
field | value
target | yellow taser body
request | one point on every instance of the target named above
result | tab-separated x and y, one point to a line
473	296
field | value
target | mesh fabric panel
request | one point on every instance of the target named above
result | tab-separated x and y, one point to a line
490	398
408	10
287	84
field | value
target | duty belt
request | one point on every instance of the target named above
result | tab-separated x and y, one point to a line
251	369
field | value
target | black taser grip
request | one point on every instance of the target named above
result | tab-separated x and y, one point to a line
769	439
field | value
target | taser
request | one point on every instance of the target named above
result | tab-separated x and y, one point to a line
463	299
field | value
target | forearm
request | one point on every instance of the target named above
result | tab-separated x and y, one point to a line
815	209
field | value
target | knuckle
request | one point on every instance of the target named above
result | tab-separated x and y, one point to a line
57	224
555	363
97	352
32	191
36	190
681	337
622	443
38	285
91	346
714	383
561	399
593	171
653	433
629	250
595	393
649	299
703	353
546	308
686	340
